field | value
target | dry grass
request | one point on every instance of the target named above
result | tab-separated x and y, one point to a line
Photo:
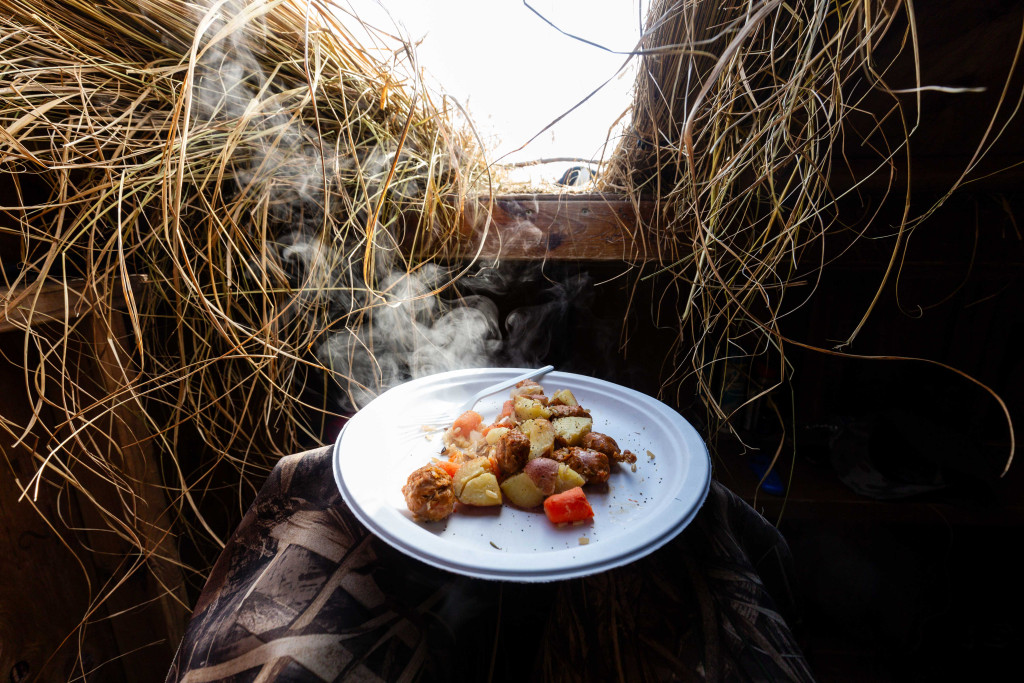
260	167
268	175
740	130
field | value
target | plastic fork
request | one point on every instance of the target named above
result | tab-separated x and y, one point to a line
442	420
501	386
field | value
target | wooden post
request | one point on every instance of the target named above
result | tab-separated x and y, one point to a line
138	462
149	605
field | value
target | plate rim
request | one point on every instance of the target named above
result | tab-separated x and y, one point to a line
525	574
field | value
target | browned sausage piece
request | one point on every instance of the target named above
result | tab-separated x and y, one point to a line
601	442
512	451
590	464
429	493
568	411
607	445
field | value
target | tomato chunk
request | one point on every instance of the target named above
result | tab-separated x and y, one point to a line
467	422
568	506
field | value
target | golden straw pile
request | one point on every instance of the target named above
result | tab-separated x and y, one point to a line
740	131
238	177
738	111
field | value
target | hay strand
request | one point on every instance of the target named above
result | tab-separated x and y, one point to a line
744	115
237	179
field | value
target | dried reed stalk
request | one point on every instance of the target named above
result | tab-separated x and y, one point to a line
741	119
259	166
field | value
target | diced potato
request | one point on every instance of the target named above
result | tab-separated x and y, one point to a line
475	484
495	434
544	474
530	409
468	470
542	436
572	429
568	478
520	489
565	397
481	490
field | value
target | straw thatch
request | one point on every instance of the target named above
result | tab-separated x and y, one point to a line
753	125
265	176
739	110
235	178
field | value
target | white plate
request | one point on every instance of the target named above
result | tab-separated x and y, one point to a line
640	511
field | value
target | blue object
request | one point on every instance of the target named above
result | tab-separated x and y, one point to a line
773	482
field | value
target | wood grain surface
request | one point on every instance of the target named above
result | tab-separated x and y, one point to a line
558	227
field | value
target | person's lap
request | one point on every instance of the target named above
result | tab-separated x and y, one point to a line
303	592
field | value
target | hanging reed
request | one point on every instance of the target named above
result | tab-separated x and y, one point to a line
745	121
239	178
245	177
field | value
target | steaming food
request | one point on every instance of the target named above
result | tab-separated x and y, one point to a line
521	490
542	436
569	431
511	452
430	493
543	472
590	464
529	408
476	483
568	411
538	448
606	444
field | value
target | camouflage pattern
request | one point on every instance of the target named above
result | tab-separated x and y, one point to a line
303	592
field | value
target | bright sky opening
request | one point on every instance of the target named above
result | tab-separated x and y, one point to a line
516	73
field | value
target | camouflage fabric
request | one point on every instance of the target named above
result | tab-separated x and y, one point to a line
303	592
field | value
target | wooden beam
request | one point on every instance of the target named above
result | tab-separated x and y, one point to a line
151	606
51	302
136	458
558	227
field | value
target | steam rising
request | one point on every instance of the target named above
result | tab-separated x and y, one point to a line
535	330
370	335
413	335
